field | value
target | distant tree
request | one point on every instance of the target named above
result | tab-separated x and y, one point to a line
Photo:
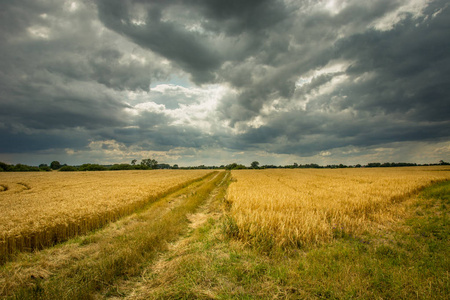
441	162
235	166
44	167
121	167
163	166
255	165
374	165
240	167
92	167
149	163
175	166
24	168
68	169
231	166
5	167
133	162
55	165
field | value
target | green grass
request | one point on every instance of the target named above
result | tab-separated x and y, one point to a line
409	260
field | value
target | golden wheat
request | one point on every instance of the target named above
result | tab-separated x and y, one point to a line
297	207
39	209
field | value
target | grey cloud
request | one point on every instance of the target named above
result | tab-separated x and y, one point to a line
402	98
52	105
148	120
60	71
163	37
106	66
409	65
74	47
243	24
14	141
235	17
65	73
164	138
307	134
312	39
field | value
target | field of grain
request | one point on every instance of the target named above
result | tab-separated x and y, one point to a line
298	207
39	209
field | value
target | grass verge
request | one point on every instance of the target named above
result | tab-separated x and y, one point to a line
103	257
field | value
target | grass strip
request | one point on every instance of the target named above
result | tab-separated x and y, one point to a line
120	255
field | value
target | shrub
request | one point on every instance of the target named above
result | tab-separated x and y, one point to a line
68	169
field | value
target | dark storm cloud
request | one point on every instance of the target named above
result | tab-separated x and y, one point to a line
306	134
235	16
196	51
54	105
410	66
103	66
297	77
163	138
165	38
59	70
48	37
26	142
395	89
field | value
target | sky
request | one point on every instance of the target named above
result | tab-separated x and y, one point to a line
213	82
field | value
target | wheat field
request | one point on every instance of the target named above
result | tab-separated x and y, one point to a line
39	209
299	207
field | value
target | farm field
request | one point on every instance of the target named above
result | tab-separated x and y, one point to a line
39	209
298	207
380	233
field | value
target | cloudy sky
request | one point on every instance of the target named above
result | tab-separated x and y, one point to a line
213	82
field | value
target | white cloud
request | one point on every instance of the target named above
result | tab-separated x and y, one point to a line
388	21
195	106
39	32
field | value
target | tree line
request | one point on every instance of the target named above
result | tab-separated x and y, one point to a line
255	165
146	164
152	164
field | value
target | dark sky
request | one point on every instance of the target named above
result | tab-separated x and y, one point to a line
213	82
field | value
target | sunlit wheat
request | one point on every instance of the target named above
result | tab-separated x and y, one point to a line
39	209
297	207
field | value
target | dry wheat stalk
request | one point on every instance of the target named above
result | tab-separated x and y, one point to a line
39	209
296	207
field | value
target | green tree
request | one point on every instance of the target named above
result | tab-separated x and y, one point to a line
55	165
5	167
255	165
44	167
235	166
149	163
92	167
68	169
